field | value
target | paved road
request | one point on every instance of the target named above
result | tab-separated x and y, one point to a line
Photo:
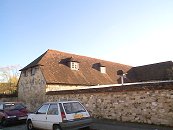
14	127
104	125
114	125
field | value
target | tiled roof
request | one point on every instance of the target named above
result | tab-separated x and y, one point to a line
151	72
56	70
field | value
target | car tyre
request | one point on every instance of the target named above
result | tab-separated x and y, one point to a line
87	128
4	122
56	127
30	125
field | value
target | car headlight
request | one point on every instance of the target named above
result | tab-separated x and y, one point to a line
11	116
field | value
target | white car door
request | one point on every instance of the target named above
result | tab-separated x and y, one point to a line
39	119
53	116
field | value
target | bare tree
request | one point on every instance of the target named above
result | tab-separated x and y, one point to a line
9	74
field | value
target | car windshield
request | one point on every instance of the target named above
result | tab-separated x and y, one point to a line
73	107
12	106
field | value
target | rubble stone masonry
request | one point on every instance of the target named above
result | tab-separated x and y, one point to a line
31	89
150	103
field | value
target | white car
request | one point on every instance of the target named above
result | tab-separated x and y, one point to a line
61	115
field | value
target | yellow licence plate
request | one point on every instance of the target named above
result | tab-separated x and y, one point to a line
76	116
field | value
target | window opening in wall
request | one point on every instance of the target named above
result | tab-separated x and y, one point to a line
25	73
33	71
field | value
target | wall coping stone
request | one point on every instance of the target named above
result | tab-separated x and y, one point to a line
122	88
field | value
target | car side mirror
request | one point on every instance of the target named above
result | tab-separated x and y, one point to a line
36	112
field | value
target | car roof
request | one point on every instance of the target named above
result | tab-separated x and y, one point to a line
60	102
10	102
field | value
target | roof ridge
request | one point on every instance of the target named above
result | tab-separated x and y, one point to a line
69	53
158	63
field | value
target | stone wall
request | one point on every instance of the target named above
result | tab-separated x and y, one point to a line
31	89
144	103
8	99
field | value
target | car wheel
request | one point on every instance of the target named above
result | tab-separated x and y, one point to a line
56	127
3	122
87	128
30	125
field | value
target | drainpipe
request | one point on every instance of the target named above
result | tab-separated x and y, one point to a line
122	75
122	79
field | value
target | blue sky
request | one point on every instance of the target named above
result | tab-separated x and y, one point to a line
133	32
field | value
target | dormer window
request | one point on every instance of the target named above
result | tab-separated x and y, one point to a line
74	65
103	69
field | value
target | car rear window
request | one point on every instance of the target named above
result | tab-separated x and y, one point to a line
73	107
14	106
